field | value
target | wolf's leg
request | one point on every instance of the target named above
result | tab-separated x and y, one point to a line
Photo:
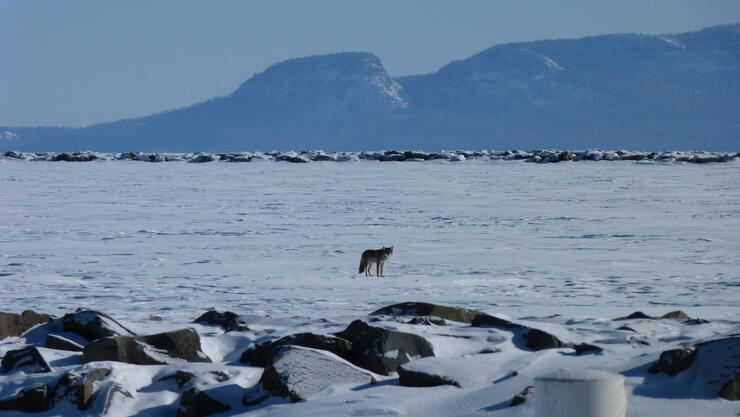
382	264
377	269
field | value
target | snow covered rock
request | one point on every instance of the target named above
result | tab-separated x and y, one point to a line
381	350
714	365
162	348
200	158
76	157
93	325
196	403
299	372
534	339
262	354
228	320
57	342
16	324
526	394
30	400
78	387
27	359
458	314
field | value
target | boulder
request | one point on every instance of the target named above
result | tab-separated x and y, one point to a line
78	387
582	348
199	159
157	349
13	154
526	394
28	359
93	325
261	354
409	377
427	321
57	342
676	315
29	400
196	403
298	372
534	339
713	365
16	324
113	395
381	350
462	315
228	320
184	378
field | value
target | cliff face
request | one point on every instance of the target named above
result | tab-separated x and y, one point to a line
612	91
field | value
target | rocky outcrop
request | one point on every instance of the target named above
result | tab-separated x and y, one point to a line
533	339
458	314
196	403
157	349
381	350
714	364
30	400
28	359
57	342
93	325
526	394
16	324
79	388
228	320
297	373
261	354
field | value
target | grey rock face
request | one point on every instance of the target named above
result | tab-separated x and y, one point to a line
298	372
261	354
93	325
30	400
462	315
381	350
228	320
78	387
162	348
27	359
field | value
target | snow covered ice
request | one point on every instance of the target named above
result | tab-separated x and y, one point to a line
561	247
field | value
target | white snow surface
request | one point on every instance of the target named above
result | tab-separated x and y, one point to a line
562	247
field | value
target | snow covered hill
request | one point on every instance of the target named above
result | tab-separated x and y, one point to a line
642	92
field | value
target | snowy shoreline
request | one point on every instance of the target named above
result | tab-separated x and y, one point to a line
537	156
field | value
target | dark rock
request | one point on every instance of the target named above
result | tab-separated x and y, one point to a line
418	378
679	315
10	325
13	154
462	315
696	321
488	350
582	348
113	395
635	315
261	354
181	378
526	394
197	403
415	155
714	364
381	350
534	339
57	342
254	396
228	320
321	157
673	361
16	324
29	400
627	329
27	359
298	372
79	387
93	325
156	349
486	320
539	340
393	156
427	321
731	389
198	159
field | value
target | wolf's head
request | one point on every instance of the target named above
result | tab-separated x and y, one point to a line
387	251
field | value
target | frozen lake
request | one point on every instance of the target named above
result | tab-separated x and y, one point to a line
137	239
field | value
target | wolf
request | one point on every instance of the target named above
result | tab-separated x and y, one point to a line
377	257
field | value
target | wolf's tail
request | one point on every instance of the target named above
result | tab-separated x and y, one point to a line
363	264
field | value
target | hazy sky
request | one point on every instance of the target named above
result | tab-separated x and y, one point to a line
77	62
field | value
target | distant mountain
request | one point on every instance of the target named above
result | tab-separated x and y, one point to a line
642	92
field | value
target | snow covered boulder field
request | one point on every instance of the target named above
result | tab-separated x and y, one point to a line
216	288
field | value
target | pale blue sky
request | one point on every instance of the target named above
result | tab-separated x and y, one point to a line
78	62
